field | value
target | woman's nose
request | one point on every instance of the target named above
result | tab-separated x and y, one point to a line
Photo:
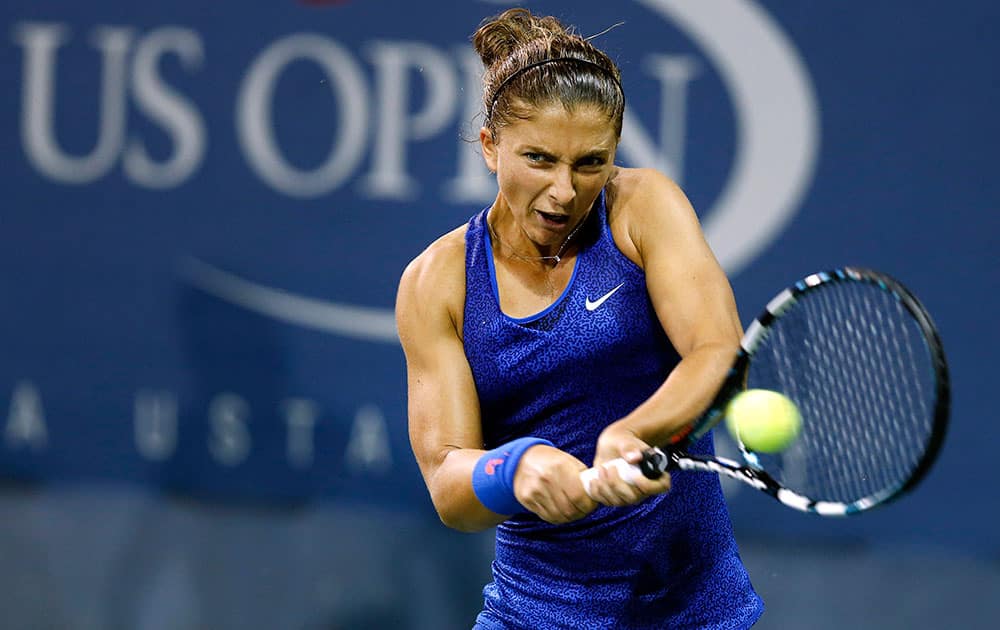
562	190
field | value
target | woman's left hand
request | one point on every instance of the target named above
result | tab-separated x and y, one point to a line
609	488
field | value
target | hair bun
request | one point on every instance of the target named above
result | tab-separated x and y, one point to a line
499	36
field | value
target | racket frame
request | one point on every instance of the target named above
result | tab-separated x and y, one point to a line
657	461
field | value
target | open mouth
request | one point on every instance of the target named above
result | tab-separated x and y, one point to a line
553	219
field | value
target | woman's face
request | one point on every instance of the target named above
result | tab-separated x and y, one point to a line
551	167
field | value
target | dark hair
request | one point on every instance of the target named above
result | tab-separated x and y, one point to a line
531	60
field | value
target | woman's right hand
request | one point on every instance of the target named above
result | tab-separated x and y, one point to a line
547	482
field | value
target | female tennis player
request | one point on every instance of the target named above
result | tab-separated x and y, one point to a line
578	319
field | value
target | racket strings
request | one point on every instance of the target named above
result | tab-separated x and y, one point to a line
854	360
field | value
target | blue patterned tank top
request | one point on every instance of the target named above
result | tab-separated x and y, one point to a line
564	374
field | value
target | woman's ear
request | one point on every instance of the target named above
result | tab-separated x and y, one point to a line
489	148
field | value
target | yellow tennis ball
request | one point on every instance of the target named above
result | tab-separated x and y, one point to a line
763	420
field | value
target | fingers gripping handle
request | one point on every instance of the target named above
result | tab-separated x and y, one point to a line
652	466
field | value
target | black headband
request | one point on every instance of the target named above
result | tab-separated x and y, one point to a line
520	71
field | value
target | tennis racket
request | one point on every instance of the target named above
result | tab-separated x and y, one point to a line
859	355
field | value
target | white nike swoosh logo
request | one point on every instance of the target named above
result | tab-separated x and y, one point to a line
348	320
604	298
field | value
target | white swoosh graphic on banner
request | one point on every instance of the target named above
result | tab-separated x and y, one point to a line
359	322
776	119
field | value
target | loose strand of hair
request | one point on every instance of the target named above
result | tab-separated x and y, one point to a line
604	32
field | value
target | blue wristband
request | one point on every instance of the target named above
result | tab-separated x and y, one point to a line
493	476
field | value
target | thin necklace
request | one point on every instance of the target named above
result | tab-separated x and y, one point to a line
555	259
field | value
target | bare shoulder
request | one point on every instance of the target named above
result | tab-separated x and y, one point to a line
644	202
433	284
639	191
446	255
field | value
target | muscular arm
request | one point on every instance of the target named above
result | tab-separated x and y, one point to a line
444	423
693	301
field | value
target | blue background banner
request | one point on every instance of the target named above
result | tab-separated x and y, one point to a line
207	209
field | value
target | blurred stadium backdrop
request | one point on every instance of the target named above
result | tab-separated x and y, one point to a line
206	209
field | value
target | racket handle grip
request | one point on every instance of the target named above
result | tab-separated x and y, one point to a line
652	466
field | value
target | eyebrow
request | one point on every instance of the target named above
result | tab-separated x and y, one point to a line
595	153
